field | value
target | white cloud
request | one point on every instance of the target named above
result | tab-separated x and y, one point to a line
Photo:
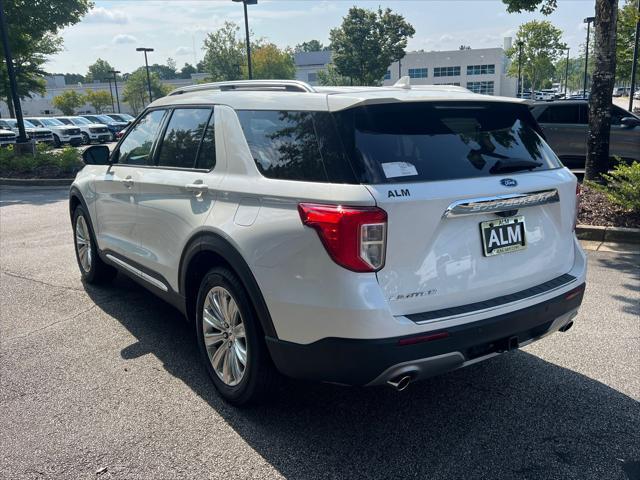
183	51
103	15
123	38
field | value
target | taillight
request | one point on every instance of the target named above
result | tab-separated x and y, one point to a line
354	237
575	220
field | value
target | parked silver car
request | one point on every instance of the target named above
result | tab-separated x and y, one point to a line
565	124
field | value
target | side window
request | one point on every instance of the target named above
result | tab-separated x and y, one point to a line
560	114
207	153
617	114
181	140
284	144
135	149
583	110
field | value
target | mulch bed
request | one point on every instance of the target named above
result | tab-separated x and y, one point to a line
44	171
596	209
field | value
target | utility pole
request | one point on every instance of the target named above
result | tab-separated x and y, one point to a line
146	62
113	109
588	21
13	84
246	29
634	66
566	74
115	83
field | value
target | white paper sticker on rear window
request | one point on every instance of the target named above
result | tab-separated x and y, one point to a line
398	169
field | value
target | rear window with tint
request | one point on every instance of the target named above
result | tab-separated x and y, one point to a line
417	142
393	143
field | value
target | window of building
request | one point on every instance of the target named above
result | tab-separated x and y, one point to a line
486	88
387	76
418	72
481	69
446	72
312	77
182	137
455	84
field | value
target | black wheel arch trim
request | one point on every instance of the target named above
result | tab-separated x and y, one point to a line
215	243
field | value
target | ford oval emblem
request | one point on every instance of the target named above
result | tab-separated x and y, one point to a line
508	182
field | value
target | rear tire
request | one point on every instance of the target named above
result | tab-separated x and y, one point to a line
231	340
92	268
85	139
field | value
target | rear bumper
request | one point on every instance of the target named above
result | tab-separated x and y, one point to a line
372	362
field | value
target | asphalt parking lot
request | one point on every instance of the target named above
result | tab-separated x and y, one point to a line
105	383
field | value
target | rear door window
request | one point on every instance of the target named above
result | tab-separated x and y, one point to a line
185	130
561	114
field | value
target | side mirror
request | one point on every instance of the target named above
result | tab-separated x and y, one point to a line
96	155
630	122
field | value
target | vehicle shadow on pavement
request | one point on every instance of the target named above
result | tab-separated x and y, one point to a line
32	196
515	416
627	263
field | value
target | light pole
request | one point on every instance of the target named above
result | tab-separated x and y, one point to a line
566	74
115	84
246	29
146	62
13	85
588	21
634	65
113	109
520	44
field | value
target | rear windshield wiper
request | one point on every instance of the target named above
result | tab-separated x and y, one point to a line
514	165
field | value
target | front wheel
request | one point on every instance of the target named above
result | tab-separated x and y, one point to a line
56	141
92	268
231	341
85	139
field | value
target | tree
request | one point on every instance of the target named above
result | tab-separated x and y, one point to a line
603	79
136	92
33	37
268	61
98	71
171	63
187	70
164	72
542	47
310	46
627	18
368	42
464	47
98	99
331	77
224	55
68	101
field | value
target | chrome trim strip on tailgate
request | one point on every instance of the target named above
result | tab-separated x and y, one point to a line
500	203
139	273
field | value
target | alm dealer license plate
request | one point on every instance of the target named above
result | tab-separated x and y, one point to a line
503	235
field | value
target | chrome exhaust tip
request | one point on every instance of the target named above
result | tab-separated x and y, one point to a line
399	383
566	327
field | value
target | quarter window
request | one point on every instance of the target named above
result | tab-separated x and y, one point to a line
135	149
182	137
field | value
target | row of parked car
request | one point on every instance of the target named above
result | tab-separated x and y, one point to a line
66	130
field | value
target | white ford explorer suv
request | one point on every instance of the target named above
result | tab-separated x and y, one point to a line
355	235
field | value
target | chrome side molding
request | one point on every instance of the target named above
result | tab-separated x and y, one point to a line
500	203
139	273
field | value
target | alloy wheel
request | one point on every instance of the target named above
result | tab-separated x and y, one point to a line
83	243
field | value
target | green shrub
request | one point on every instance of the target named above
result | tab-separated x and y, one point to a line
44	163
622	186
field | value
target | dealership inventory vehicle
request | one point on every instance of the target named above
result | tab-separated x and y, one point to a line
114	126
566	124
40	135
354	235
121	117
91	132
7	136
62	134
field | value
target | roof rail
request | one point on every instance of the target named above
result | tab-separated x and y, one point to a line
284	85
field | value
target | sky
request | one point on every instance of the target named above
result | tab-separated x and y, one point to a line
113	29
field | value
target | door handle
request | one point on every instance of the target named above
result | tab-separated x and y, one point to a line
197	188
128	182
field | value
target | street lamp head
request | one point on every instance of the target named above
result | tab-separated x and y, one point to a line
248	2
589	20
114	71
144	49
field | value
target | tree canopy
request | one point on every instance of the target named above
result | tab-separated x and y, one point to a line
541	49
310	46
98	99
368	42
99	71
68	102
517	6
268	61
224	55
136	91
627	18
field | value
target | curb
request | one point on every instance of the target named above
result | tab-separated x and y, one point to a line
608	234
36	182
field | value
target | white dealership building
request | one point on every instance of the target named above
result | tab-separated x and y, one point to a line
481	70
